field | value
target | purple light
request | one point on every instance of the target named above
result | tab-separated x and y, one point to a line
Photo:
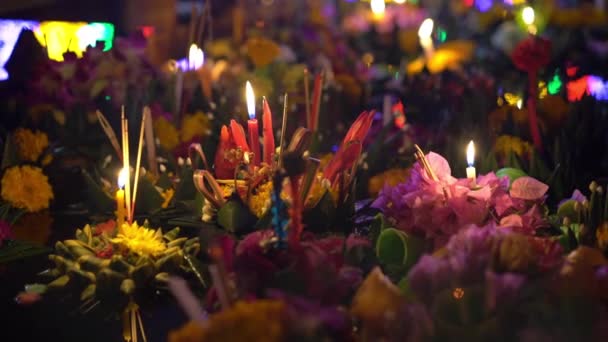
597	87
9	34
483	5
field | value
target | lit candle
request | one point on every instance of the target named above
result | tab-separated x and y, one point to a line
121	212
252	125
196	58
471	173
424	33
268	134
528	17
378	7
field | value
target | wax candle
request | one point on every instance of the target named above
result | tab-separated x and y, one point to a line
252	125
528	17
424	33
121	212
471	172
378	7
268	133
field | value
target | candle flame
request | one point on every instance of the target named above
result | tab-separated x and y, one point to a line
196	57
527	15
378	7
471	153
122	178
250	100
399	1
426	28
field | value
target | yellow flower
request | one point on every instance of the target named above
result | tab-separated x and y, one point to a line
139	240
196	125
29	144
260	320
166	133
262	51
260	201
26	187
389	177
506	144
167	196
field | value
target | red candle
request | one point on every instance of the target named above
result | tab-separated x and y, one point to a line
268	134
252	125
238	135
254	140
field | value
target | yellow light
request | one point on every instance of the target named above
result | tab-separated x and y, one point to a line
196	57
527	15
378	7
122	178
519	103
426	28
59	37
250	100
471	153
399	1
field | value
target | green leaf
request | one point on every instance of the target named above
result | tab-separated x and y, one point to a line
148	197
185	188
235	217
567	210
97	198
510	172
395	247
12	250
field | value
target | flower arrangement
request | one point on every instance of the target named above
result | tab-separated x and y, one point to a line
435	209
117	265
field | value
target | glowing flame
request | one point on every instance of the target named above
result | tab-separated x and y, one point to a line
196	57
122	178
426	29
527	15
378	7
471	153
250	100
519	103
399	1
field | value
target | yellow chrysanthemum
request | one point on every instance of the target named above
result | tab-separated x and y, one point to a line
506	144
30	144
139	240
260	201
262	51
166	133
196	125
26	187
389	177
253	321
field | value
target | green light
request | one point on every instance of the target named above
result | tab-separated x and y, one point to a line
108	97
105	33
443	35
555	85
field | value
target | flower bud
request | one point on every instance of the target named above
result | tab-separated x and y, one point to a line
593	186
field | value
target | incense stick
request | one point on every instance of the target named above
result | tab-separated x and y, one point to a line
425	164
107	128
127	167
283	128
150	143
138	161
